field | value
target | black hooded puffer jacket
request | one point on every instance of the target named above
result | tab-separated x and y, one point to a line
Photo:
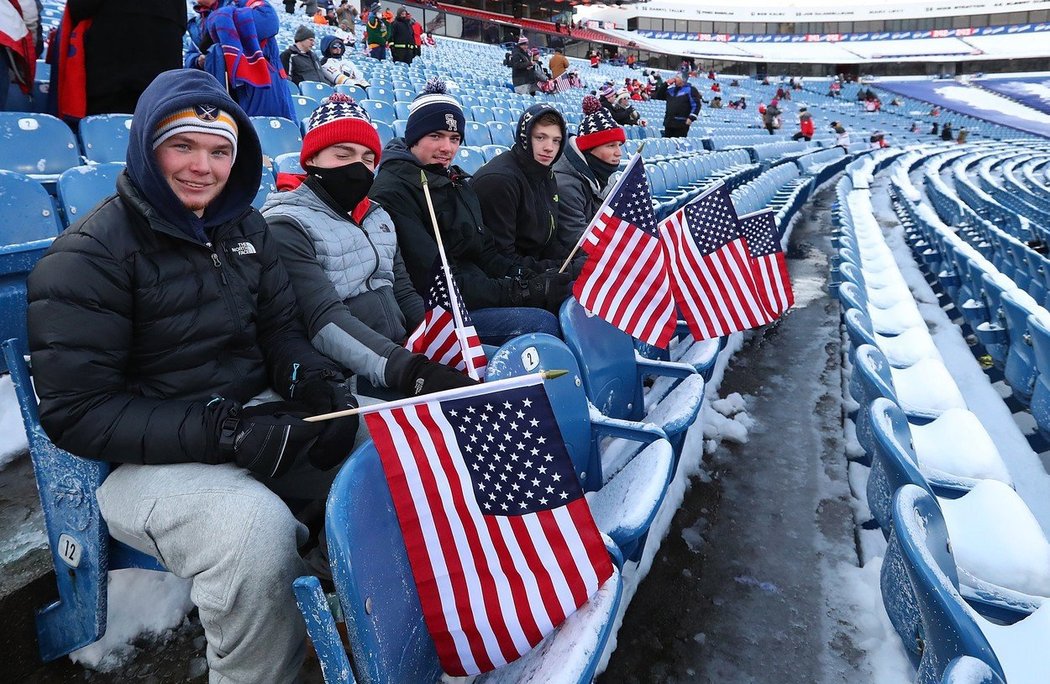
141	312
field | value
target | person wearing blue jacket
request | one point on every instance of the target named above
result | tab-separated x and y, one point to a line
236	42
163	330
683	105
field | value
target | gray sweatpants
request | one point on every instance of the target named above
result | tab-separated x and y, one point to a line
238	542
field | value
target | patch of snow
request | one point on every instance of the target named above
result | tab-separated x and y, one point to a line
12	433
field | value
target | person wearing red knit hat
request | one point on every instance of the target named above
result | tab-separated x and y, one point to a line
341	253
591	157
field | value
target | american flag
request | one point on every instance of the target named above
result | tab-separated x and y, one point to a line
500	539
710	267
625	277
768	265
438	337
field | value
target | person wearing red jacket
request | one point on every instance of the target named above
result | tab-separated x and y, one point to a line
805	125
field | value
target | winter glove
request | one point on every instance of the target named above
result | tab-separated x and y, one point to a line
326	391
269	438
547	290
423	376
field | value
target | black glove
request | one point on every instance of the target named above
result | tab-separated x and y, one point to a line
547	290
423	376
269	438
326	391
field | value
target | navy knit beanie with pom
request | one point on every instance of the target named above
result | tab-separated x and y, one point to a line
598	126
434	110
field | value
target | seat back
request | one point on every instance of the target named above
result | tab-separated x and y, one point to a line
104	137
1020	370
947	627
469	159
541	352
315	89
36	144
894	463
379	111
277	135
970	670
81	188
81	549
606	358
388	639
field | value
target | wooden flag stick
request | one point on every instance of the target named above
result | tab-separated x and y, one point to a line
605	203
457	319
486	388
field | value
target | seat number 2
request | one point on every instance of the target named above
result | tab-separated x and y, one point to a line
69	550
530	358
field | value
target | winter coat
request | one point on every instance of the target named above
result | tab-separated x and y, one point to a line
521	71
769	116
117	71
376	32
481	270
623	115
683	104
401	35
579	195
558	64
304	66
140	314
350	281
805	124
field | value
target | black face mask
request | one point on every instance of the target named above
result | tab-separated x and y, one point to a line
342	187
602	170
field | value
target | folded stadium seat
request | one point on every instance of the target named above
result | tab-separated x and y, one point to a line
500	113
104	137
404	94
481	114
277	135
947	627
992	332
614	373
1020	370
490	152
380	82
315	89
81	188
379	111
36	145
501	133
1037	266
357	92
81	549
381	94
388	638
467	101
304	106
624	497
385	131
477	134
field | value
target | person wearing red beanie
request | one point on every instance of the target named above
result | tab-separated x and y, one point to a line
591	157
342	257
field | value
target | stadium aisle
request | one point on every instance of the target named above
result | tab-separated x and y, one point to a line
736	592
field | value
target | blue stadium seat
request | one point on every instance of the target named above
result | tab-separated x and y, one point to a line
401	110
1039	328
36	145
381	94
277	135
970	670
266	186
1020	369
303	106
385	130
315	89
104	137
470	159
404	95
83	187
399	127
81	549
384	621
492	151
477	134
287	163
481	114
502	133
379	111
28	225
613	375
357	92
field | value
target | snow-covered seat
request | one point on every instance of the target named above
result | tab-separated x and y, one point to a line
946	627
969	670
903	350
892	320
385	628
955	447
883	292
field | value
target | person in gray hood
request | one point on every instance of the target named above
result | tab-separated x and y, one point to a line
583	172
340	249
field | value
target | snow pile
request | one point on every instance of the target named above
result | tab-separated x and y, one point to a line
140	602
726	419
12	433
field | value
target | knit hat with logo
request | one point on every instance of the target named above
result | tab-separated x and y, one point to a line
434	110
339	120
598	126
202	118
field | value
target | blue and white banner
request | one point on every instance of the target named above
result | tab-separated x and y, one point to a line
845	37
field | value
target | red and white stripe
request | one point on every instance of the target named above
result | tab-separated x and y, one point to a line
625	281
438	339
773	283
716	293
491	587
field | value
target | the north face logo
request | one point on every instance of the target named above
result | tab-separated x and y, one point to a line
243	249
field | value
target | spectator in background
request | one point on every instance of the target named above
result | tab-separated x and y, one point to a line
310	7
771	117
223	35
558	63
504	297
683	105
113	81
947	134
519	194
841	134
806	128
522	73
341	253
963	134
338	70
583	172
319	18
376	33
289	6
595	58
935	129
153	323
417	35
18	59
716	102
402	39
346	14
303	63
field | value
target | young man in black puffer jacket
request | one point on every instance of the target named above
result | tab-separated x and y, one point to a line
153	322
